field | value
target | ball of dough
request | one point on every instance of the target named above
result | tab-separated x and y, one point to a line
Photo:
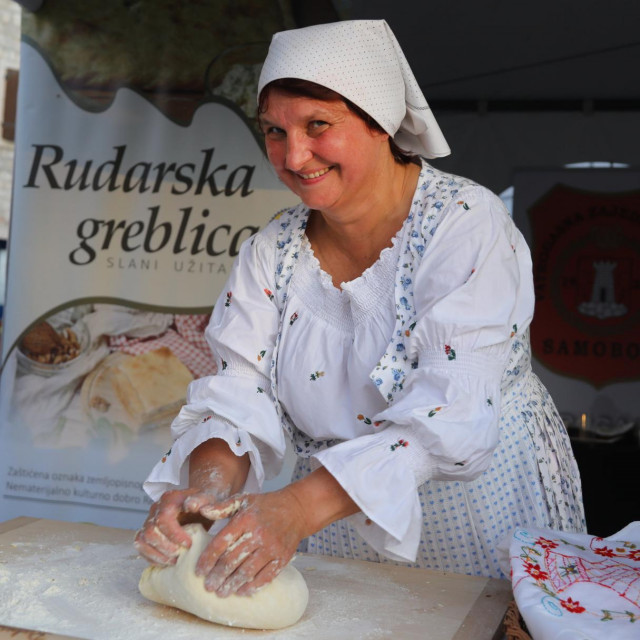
279	604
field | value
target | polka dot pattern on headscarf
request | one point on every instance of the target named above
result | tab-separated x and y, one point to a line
362	61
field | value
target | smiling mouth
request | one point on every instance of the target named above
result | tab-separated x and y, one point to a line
315	174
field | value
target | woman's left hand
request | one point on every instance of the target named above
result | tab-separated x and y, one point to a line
256	544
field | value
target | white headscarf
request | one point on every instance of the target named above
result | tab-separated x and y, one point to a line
362	61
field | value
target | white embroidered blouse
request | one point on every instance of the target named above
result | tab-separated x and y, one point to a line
389	382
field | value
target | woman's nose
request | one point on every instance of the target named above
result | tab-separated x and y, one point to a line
298	152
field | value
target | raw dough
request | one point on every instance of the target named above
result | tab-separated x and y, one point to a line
279	604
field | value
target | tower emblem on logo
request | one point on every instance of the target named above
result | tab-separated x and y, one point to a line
586	264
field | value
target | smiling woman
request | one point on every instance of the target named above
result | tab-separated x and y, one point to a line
381	325
358	200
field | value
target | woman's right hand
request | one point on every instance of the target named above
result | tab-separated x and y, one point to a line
162	536
215	472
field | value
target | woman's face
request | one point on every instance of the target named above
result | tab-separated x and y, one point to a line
323	152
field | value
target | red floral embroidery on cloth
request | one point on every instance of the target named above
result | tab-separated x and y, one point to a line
572	606
563	571
558	565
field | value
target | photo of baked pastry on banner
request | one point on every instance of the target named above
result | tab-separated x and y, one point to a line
109	371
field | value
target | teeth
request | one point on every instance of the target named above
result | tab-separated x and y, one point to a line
316	174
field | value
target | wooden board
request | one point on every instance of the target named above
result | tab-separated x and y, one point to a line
80	581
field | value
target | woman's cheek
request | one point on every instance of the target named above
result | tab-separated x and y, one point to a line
272	154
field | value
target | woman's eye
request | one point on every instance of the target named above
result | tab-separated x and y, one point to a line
273	132
317	125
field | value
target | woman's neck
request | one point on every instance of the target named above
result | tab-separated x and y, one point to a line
346	246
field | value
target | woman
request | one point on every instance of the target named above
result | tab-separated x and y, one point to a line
383	325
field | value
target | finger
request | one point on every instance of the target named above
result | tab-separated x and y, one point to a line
151	536
244	574
262	578
151	543
201	501
206	498
154	555
168	534
166	521
223	555
193	504
251	575
224	509
231	561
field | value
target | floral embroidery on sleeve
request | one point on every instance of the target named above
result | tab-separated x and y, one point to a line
451	354
366	420
269	294
293	318
400	443
433	412
228	300
316	375
262	354
465	206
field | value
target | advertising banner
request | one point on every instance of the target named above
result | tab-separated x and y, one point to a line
139	173
584	233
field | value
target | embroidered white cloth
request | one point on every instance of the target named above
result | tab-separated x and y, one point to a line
571	586
362	61
449	447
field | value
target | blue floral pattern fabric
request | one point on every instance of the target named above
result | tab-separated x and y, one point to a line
438	190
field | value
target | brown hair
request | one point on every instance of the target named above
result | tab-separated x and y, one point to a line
307	89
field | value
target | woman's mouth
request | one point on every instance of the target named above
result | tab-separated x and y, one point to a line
314	174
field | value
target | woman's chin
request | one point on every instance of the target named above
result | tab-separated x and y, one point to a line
313	201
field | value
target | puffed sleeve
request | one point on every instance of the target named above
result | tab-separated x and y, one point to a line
473	293
235	404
